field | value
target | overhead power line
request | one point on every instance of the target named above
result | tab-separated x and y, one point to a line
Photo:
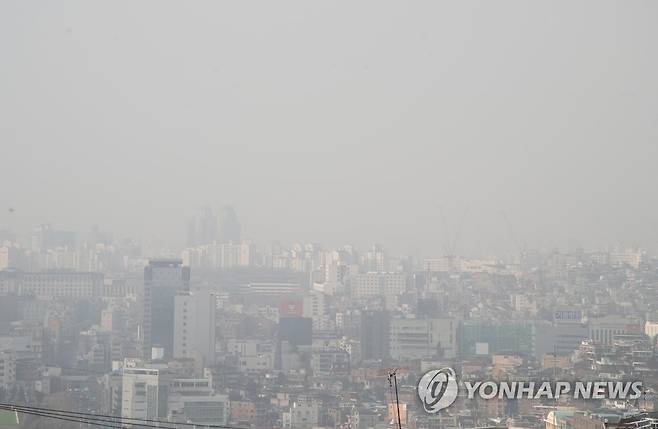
61	417
102	419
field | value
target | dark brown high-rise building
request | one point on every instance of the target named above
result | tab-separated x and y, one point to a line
375	329
163	280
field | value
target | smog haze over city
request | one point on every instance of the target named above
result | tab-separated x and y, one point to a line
301	215
328	122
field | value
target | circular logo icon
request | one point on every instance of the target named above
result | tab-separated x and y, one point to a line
437	389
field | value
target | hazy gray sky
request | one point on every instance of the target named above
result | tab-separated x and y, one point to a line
334	121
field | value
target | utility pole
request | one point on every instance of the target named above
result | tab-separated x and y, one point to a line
393	375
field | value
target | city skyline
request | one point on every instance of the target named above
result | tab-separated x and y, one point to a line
328	215
451	242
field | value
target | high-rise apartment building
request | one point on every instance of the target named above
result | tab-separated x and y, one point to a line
229	226
45	237
52	284
377	283
313	308
194	326
202	229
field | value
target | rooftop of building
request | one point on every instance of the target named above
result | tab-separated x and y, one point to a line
8	418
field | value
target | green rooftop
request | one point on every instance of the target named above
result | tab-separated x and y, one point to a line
8	418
